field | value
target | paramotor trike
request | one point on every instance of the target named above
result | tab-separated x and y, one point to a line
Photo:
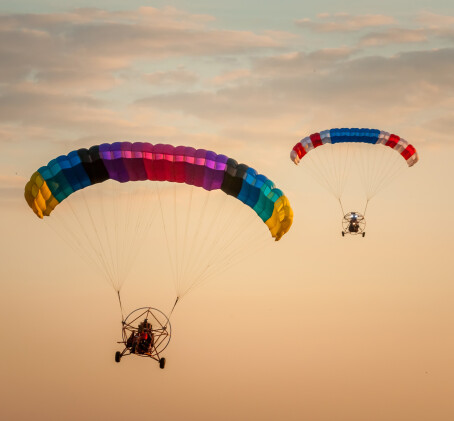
353	223
146	332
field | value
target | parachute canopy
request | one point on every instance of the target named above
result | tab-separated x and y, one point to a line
125	161
371	136
352	156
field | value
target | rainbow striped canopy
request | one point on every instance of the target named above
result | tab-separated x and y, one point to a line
126	161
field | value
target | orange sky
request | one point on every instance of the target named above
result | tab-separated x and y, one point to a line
314	327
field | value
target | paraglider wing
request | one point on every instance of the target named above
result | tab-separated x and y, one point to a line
371	136
125	161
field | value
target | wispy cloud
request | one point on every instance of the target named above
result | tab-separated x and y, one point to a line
90	76
381	30
394	36
434	20
79	46
55	68
377	90
344	22
441	26
299	63
179	76
231	76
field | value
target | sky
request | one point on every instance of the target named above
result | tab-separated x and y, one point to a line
315	326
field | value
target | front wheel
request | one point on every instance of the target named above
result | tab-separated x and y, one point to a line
162	363
364	234
117	356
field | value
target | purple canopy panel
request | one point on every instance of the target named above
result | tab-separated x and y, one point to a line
113	161
219	172
210	170
135	165
126	154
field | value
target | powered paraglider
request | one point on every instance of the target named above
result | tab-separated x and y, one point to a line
344	149
123	189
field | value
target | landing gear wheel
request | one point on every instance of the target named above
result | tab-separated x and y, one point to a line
117	356
364	234
343	234
162	363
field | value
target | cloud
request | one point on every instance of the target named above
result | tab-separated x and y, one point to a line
381	30
344	22
298	63
427	26
434	21
71	75
179	76
35	106
91	76
231	76
86	46
441	26
394	36
365	91
28	115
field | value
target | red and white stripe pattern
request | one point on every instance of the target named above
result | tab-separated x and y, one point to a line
393	141
400	145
